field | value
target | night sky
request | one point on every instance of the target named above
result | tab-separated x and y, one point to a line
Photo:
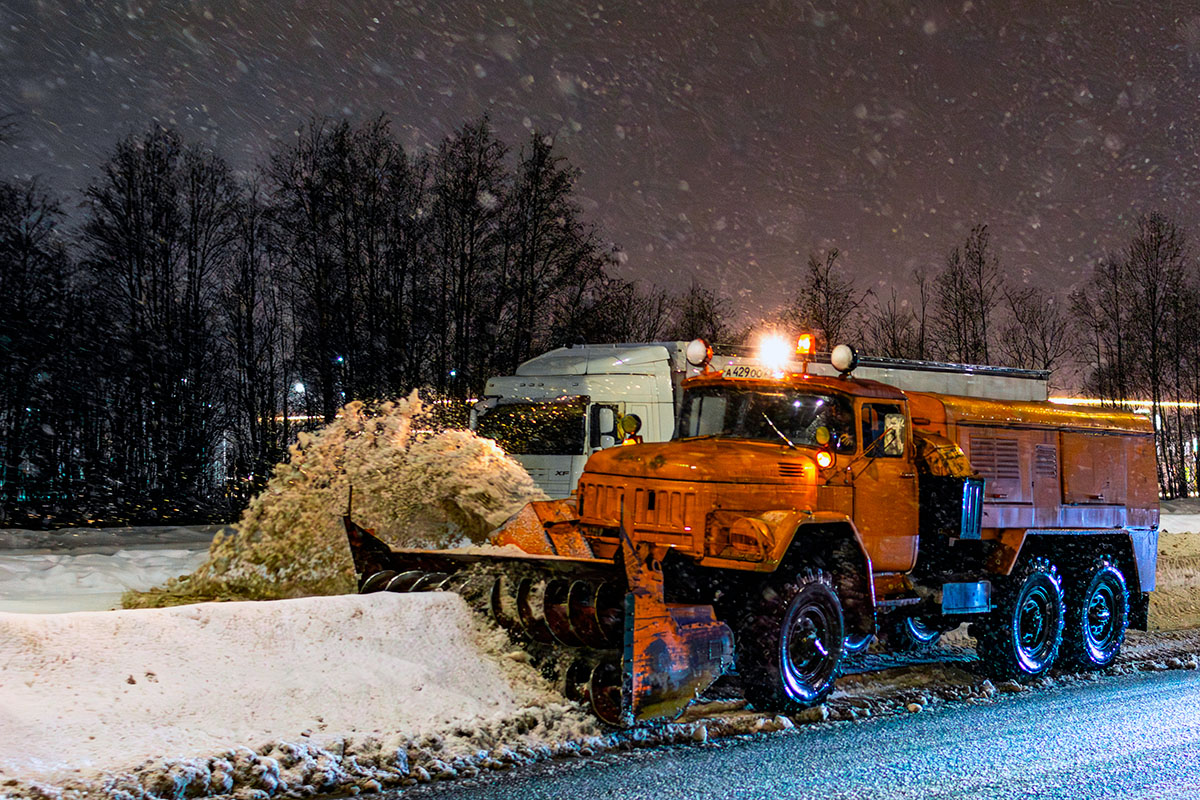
721	141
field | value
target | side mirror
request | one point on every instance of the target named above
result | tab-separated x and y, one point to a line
479	409
893	435
604	426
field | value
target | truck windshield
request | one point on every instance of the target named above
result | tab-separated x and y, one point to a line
767	415
535	429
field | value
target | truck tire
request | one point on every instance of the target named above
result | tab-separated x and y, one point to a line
1097	601
791	644
912	635
1020	639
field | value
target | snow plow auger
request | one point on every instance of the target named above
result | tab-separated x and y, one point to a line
599	627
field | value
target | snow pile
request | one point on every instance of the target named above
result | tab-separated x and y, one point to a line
415	487
1175	602
48	583
218	697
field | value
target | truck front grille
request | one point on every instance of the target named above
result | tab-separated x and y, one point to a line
647	507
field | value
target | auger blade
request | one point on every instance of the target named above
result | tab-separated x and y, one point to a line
555	611
404	581
428	582
502	606
604	692
376	582
581	611
535	627
575	680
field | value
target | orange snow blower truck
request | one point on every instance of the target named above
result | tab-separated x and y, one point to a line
793	517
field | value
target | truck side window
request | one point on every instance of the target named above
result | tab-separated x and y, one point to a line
883	430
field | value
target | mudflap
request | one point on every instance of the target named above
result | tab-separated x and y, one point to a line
672	652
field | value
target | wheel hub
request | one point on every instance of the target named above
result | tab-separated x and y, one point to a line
1100	615
1032	620
806	644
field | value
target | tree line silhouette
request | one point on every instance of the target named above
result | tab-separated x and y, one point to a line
159	353
157	357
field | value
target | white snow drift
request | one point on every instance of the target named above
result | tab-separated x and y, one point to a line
48	583
88	693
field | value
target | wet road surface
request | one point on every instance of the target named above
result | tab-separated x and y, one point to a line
1128	737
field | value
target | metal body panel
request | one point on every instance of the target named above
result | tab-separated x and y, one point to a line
973	597
1051	466
1145	550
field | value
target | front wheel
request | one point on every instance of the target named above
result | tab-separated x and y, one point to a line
791	644
1097	603
1020	639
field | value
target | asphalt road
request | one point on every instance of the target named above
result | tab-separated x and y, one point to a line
1126	737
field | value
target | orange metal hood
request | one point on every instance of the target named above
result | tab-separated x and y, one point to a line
706	460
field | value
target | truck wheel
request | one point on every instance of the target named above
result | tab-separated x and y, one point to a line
791	644
912	634
1021	637
1097	615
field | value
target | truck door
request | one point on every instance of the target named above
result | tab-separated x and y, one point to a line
885	487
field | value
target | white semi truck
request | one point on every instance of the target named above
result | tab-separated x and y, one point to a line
563	405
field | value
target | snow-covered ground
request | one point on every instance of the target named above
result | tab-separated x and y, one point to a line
50	583
347	693
182	689
87	569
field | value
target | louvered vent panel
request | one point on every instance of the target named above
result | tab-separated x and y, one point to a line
996	459
787	470
1045	464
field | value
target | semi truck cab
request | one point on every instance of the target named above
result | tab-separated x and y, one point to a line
564	405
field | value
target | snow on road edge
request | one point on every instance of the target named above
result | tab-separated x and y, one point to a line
355	756
262	697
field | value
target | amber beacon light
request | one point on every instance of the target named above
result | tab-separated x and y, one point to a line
804	344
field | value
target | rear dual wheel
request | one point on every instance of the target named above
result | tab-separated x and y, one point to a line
1097	616
1020	639
791	644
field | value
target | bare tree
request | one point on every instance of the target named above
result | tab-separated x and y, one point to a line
1155	261
467	196
895	328
158	236
548	252
700	313
254	317
1138	322
1037	334
614	310
966	294
35	357
827	302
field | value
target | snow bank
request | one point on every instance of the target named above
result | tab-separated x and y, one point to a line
49	583
1175	602
416	487
184	688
